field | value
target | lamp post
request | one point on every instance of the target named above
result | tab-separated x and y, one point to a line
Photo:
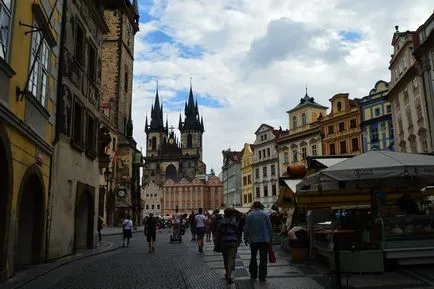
107	178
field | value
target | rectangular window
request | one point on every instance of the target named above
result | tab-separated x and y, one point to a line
314	150
126	81
250	198
258	193
152	207
158	207
268	152
257	173
377	111
304	152
91	71
285	157
245	199
273	190
264	171
249	179
260	154
244	181
341	126
355	144
353	123
332	149
389	108
273	170
265	191
91	134
374	134
343	147
78	124
5	25
38	81
79	45
147	207
331	129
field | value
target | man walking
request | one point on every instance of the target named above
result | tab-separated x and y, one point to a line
258	232
192	221
128	227
151	232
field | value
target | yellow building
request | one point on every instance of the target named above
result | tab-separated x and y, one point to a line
28	80
247	176
303	138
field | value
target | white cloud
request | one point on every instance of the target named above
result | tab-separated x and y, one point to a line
258	55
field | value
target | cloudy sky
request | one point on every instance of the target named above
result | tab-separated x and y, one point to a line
250	60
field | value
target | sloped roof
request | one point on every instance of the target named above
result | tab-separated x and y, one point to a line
305	102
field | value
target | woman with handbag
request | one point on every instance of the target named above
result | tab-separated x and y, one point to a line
228	239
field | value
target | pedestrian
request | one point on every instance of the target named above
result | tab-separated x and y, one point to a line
258	232
215	219
208	224
100	226
151	232
228	239
127	230
200	228
192	223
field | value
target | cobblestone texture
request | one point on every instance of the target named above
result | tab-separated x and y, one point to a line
181	266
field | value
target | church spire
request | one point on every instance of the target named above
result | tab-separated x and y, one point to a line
191	112
157	123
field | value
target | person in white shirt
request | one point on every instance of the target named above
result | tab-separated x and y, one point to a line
128	227
200	228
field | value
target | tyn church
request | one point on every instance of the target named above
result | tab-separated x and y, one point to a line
167	156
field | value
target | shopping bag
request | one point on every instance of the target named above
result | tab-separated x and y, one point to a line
271	255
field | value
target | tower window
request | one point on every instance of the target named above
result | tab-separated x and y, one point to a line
154	143
189	140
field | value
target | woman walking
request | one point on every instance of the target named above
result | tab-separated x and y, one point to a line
200	228
151	232
208	227
228	239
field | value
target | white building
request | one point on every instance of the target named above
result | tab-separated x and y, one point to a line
265	165
151	196
406	94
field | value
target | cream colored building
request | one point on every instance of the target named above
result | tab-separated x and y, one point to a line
406	94
303	138
247	176
151	197
265	165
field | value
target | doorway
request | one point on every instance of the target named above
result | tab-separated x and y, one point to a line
30	220
84	233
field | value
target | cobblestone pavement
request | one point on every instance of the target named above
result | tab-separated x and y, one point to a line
181	266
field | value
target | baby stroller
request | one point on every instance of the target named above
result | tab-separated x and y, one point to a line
176	233
182	227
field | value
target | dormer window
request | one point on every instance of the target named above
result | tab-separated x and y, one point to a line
294	122
303	119
339	106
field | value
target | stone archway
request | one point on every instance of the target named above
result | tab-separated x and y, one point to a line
84	214
5	198
29	245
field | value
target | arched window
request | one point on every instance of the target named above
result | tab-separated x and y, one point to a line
154	143
303	119
189	140
339	106
294	121
171	172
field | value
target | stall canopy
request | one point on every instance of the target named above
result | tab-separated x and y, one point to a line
287	190
381	165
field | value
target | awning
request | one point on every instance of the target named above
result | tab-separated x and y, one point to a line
292	184
328	162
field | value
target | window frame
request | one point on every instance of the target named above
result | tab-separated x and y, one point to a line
7	43
38	87
79	144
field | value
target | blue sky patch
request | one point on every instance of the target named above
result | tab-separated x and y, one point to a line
350	36
158	37
177	102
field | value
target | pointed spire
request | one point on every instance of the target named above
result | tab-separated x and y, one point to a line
306	96
146	123
180	121
190	96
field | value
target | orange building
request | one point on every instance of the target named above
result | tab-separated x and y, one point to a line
340	129
202	192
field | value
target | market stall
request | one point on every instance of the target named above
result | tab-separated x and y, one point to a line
390	183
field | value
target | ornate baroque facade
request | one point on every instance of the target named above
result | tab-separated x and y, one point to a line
231	177
340	129
247	176
406	94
